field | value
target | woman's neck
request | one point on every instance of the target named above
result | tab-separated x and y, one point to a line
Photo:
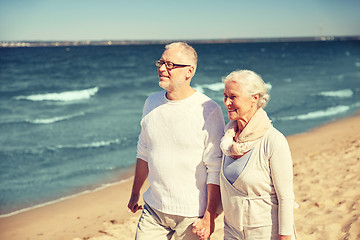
242	122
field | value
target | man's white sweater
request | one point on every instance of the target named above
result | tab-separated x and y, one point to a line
180	142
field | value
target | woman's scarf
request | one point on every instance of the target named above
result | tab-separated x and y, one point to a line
250	135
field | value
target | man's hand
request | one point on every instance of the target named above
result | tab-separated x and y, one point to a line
203	228
133	205
284	237
141	173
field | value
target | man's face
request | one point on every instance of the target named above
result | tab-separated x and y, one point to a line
171	79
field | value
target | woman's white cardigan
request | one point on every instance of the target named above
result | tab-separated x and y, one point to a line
263	193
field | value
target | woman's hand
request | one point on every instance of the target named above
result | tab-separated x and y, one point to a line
201	227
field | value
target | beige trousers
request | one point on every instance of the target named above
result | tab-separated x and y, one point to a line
160	226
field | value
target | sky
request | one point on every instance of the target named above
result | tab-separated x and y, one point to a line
91	20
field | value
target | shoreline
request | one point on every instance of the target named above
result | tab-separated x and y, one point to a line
325	189
22	210
85	212
127	175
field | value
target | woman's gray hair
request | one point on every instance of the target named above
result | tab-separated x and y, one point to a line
186	49
252	84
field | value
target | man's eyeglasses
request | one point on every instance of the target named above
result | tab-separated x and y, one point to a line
169	65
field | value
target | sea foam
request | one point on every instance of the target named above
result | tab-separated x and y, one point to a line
318	114
346	93
92	144
53	119
213	87
62	96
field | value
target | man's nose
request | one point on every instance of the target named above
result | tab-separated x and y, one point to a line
163	67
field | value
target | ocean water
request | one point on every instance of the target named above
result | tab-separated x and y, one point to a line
69	116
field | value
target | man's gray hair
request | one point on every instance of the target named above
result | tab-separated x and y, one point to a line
186	49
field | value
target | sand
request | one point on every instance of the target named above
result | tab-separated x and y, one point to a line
326	182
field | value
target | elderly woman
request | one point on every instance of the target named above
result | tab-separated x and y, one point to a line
256	179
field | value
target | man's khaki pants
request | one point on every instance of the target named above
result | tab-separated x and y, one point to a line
155	225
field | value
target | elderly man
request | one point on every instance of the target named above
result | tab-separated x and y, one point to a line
178	151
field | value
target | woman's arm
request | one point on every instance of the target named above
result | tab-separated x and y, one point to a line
282	175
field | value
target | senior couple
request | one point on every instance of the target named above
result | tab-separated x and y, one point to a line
190	160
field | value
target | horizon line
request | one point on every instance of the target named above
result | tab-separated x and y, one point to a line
68	43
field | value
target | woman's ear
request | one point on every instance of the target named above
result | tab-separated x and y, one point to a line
255	98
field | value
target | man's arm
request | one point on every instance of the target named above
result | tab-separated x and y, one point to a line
205	226
141	174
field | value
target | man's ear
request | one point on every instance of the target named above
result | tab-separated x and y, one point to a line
190	73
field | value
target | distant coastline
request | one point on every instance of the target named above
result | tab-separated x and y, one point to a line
4	44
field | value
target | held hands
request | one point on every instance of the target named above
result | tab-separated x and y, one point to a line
284	237
203	228
133	205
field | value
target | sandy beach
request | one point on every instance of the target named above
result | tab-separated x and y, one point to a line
326	181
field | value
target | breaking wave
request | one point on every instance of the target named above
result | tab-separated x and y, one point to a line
318	114
54	119
92	144
62	96
346	93
214	87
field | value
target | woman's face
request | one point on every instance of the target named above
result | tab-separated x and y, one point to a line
239	104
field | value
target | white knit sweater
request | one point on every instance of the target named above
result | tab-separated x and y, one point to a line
180	141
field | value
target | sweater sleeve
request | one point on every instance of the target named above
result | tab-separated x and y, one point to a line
212	153
141	145
282	174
